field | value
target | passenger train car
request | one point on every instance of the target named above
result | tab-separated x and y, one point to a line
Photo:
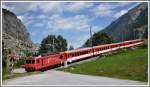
41	63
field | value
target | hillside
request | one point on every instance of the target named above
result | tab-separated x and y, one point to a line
131	25
14	33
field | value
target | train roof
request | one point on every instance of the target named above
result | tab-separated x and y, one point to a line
80	49
116	43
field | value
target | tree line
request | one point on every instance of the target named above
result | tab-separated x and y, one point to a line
98	38
56	44
53	44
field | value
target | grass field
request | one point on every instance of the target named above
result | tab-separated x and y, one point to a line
125	64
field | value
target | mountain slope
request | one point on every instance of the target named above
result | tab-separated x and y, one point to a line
132	25
14	34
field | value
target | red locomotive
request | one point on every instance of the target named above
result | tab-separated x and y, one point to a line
40	63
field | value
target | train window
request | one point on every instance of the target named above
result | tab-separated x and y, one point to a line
72	55
28	61
38	61
81	53
33	61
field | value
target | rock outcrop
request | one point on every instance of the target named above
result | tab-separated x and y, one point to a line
14	34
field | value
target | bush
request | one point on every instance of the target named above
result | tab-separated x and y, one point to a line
19	63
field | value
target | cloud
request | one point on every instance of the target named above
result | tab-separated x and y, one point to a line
42	16
75	23
78	6
123	11
59	7
20	17
78	42
39	25
53	7
33	20
118	14
46	7
17	8
33	33
109	9
96	29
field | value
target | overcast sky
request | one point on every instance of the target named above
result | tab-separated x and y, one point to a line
72	20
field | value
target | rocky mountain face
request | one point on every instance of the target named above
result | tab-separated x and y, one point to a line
14	34
132	25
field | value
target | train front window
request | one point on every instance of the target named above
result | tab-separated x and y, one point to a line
30	61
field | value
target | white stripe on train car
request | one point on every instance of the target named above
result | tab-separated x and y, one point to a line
79	57
99	52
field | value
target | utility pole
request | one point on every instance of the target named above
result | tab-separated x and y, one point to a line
91	37
122	35
53	46
91	41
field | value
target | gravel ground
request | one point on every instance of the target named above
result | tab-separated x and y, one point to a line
53	77
19	70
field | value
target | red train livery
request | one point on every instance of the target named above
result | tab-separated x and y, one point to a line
40	63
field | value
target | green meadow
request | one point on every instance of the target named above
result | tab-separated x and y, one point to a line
128	63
